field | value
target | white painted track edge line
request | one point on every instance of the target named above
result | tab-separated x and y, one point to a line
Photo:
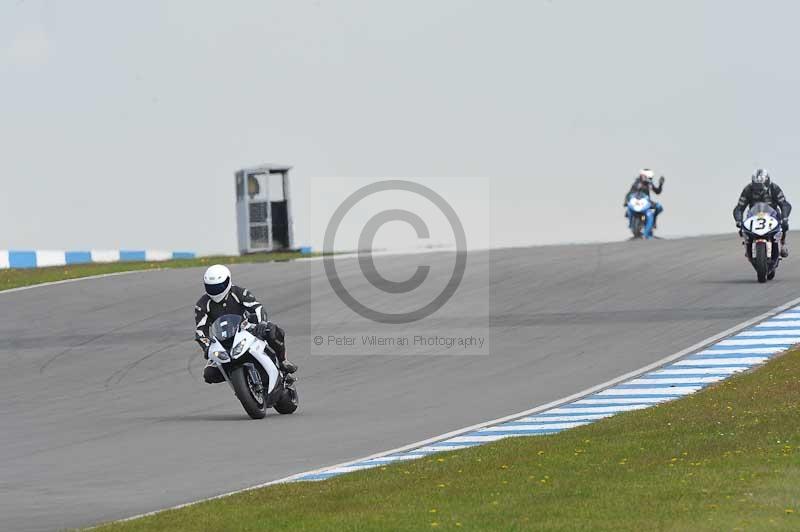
410	447
76	279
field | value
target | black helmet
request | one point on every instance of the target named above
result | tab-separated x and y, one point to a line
760	179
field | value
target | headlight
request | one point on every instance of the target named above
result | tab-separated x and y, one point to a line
239	348
222	356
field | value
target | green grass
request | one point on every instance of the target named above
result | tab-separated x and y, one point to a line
727	458
26	277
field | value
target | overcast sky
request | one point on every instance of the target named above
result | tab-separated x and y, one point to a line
121	123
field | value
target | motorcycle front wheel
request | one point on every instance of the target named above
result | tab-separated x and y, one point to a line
636	226
245	389
761	263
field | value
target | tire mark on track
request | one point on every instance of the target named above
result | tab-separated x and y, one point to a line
69	349
122	372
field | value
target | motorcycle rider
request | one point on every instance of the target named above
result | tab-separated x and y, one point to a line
223	297
644	184
761	189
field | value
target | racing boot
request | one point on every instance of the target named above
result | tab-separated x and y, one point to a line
784	247
276	340
280	351
288	368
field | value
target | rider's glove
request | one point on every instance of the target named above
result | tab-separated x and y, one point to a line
204	344
738	224
262	330
661	180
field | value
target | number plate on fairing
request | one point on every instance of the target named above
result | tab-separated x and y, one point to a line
761	224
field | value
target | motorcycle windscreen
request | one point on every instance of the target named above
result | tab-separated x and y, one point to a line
766	208
224	329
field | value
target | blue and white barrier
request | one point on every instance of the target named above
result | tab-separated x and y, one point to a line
43	258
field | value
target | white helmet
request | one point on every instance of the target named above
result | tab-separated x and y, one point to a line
218	282
646	173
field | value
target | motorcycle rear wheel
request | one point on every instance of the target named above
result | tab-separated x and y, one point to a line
288	402
240	378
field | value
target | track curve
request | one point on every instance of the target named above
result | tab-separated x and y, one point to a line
103	412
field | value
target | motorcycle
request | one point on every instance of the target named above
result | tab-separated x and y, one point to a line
250	367
762	233
641	215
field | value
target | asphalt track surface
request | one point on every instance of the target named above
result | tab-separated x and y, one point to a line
104	414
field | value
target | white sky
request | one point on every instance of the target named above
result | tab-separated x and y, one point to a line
121	123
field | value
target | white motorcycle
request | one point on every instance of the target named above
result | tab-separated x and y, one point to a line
249	367
762	233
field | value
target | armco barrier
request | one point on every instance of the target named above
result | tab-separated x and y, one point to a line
43	258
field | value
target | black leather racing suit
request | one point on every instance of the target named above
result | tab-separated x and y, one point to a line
239	300
643	186
771	194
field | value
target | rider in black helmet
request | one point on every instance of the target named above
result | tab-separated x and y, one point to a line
761	189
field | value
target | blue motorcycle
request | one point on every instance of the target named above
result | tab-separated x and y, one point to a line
641	215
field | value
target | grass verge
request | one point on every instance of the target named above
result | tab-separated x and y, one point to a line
30	276
726	458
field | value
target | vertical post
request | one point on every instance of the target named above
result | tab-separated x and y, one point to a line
242	211
289	220
268	201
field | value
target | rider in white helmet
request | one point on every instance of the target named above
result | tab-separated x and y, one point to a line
223	297
644	183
